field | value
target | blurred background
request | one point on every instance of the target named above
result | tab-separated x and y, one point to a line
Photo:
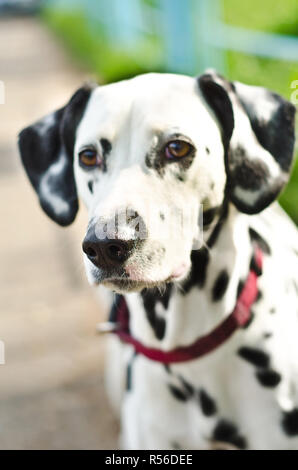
51	387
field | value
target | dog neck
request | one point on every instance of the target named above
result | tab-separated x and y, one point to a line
183	312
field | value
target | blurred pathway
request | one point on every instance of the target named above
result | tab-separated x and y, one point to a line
51	388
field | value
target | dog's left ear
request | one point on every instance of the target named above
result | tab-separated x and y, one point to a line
258	131
46	149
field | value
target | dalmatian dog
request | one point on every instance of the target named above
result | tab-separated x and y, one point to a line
184	370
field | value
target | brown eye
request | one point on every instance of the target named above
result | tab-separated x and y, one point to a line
177	149
89	158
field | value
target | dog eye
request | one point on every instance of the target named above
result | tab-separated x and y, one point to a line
177	149
89	158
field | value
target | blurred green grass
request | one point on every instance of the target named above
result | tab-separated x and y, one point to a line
88	44
267	16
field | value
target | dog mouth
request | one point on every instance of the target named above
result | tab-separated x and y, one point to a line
127	285
130	285
124	282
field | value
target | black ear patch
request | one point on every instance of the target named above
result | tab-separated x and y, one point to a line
46	149
275	134
217	98
258	137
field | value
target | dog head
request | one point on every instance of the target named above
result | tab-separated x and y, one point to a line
147	156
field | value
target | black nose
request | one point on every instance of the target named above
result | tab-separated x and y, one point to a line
106	253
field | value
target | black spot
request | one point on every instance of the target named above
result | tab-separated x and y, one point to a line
162	216
259	296
249	322
115	306
209	215
167	368
217	229
90	186
150	298
106	146
254	356
153	163
156	254
158	324
129	373
180	177
267	335
135	222
272	310
178	394
207	150
207	403
249	174
200	258
254	236
239	288
106	150
268	378
228	432
220	286
197	276
290	422
128	377
188	388
185	392
254	267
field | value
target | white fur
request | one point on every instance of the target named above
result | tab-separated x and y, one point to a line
45	188
131	120
131	115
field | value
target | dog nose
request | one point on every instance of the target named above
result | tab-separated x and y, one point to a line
106	253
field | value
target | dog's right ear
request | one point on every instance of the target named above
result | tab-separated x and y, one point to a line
46	149
258	133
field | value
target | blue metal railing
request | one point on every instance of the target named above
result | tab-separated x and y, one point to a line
193	34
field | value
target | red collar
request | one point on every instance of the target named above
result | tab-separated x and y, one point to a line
239	317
